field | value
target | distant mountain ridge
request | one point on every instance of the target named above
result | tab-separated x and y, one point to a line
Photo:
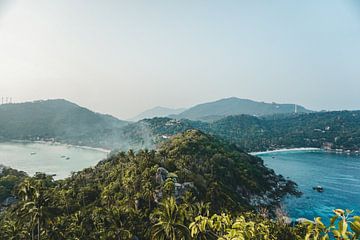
157	112
62	121
236	106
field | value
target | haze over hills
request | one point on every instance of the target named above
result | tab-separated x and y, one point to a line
58	119
203	163
66	122
236	106
157	112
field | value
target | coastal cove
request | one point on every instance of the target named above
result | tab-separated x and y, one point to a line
50	158
338	174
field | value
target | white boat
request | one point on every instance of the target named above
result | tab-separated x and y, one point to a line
318	188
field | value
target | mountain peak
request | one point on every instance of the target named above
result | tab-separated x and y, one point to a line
157	111
236	106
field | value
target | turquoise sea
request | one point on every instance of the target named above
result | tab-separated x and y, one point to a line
49	158
338	174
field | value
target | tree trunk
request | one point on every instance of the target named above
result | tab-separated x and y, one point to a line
38	228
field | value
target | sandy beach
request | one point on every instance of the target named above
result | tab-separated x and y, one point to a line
287	150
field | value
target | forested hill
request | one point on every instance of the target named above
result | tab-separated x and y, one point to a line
122	196
55	119
66	122
331	130
235	106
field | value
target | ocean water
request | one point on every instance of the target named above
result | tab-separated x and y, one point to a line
48	158
338	174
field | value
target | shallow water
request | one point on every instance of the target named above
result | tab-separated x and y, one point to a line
338	174
48	158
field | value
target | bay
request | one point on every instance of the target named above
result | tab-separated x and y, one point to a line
338	174
48	158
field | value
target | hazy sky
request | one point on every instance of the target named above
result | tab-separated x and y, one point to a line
121	57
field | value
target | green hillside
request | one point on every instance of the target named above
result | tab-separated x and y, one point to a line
330	130
62	121
235	106
122	196
58	120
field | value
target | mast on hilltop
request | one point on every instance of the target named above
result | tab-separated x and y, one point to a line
6	100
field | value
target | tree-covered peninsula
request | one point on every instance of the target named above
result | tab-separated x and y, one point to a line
194	186
329	130
124	195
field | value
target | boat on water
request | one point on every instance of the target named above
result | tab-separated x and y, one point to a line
32	153
318	188
68	158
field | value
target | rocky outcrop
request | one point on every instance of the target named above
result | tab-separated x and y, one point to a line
180	189
161	175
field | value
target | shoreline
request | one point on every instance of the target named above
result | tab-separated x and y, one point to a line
307	149
63	144
304	149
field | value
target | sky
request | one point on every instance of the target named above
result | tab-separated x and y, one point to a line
123	57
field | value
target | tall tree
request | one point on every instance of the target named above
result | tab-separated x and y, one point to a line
170	222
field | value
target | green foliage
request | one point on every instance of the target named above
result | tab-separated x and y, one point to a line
250	226
169	222
342	226
247	226
66	122
9	179
124	197
338	130
120	197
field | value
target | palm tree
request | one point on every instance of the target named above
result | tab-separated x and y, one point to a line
34	211
148	193
26	192
168	187
76	228
34	203
170	222
117	218
11	230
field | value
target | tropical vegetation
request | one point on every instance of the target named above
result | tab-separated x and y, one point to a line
329	130
194	186
62	121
